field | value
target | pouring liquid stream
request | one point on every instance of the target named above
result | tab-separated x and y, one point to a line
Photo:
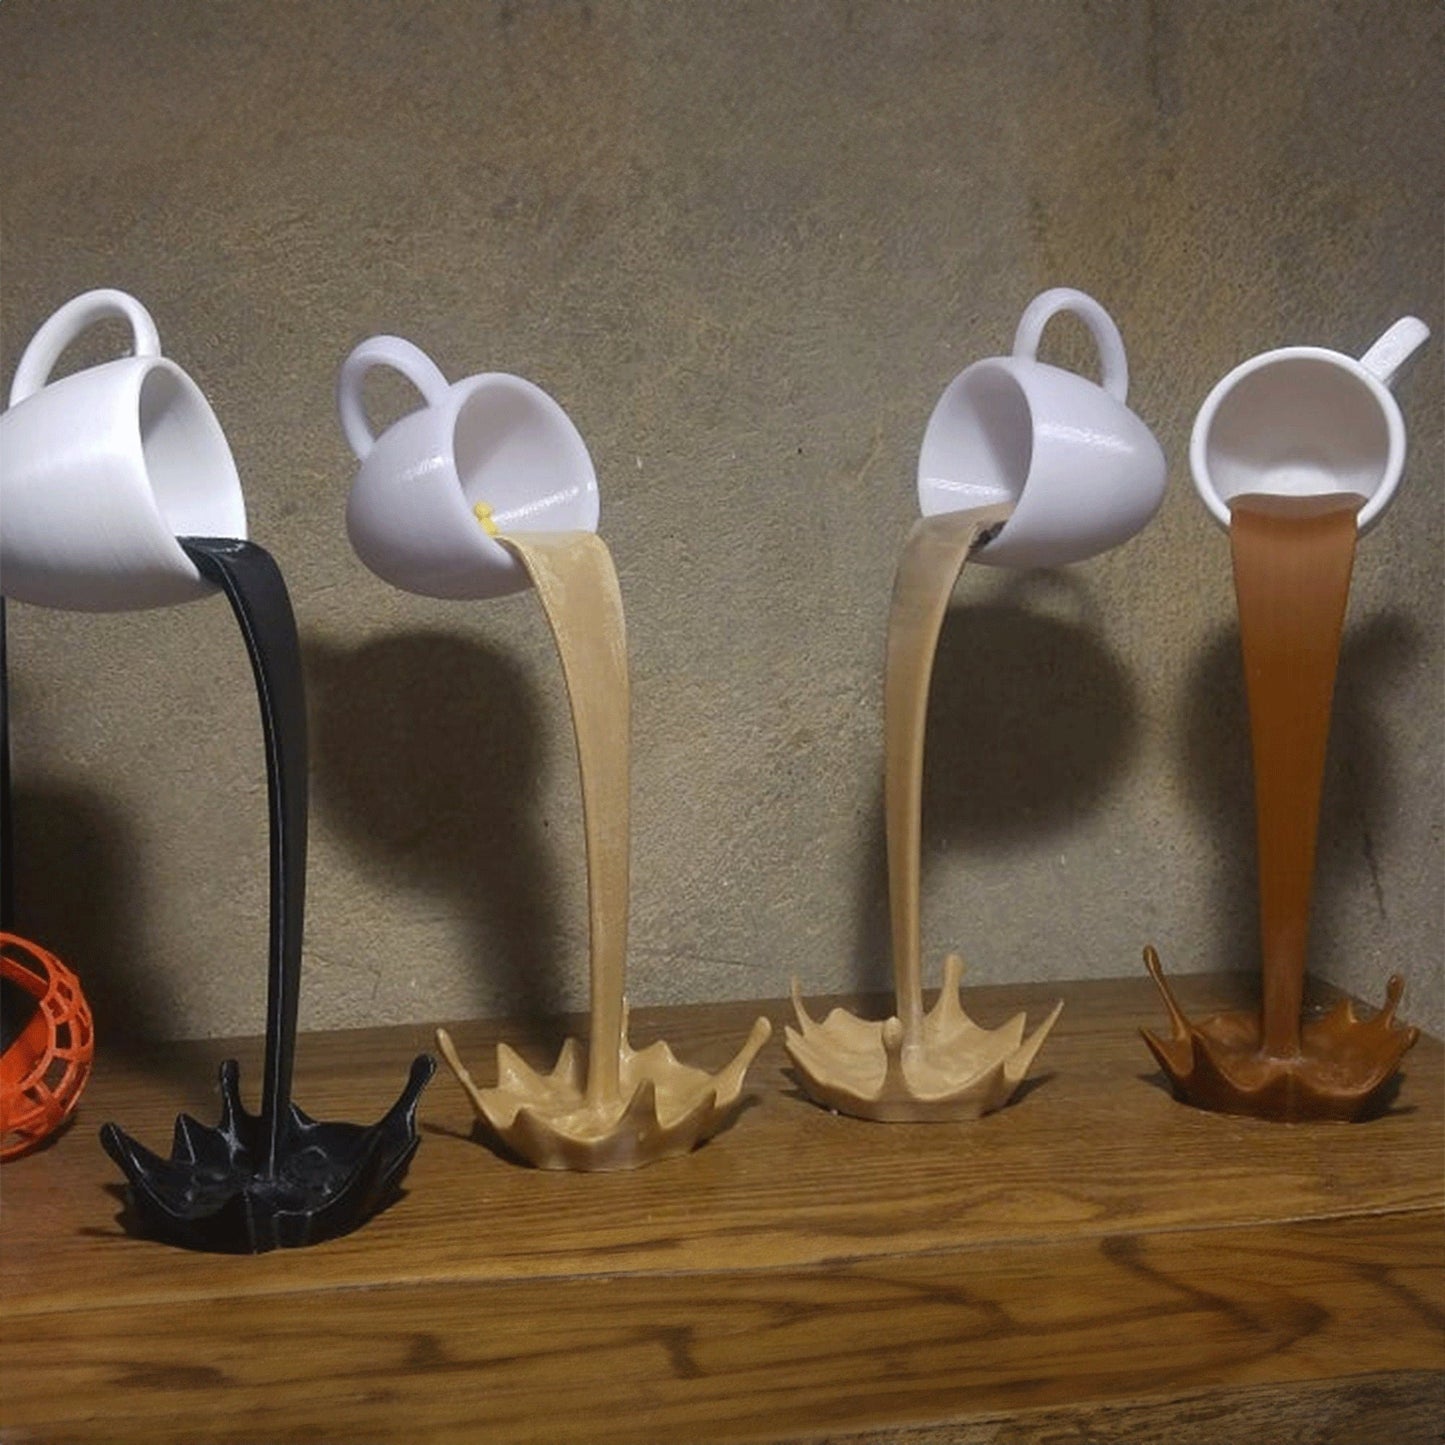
252	583
928	570
577	586
1293	557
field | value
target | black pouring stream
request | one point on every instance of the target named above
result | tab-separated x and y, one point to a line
278	1179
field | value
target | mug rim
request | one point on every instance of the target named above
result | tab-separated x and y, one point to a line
1394	466
1005	366
460	394
229	483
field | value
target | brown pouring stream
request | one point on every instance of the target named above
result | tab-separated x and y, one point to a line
1292	562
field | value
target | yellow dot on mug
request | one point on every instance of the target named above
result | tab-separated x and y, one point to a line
483	514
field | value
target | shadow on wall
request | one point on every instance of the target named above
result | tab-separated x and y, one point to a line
1355	810
78	866
1031	722
425	754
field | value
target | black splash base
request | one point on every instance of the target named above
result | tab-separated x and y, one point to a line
214	1192
277	1180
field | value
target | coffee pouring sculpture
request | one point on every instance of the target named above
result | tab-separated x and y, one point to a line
485	490
1297	452
118	491
1022	465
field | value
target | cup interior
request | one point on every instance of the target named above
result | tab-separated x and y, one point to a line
1298	426
517	451
978	447
188	462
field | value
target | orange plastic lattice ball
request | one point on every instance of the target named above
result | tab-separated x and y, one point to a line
45	1067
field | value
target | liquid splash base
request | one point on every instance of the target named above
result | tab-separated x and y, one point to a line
954	1070
916	1066
1292	562
1339	1070
604	1105
661	1107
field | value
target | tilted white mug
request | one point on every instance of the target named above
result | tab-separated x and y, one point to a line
1306	421
1082	471
102	470
494	440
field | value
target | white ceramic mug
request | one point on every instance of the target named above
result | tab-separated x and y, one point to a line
102	470
1082	471
1305	421
494	439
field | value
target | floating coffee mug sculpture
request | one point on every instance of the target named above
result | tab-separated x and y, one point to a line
119	491
1022	465
484	491
1297	452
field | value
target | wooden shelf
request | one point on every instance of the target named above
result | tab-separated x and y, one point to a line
1096	1261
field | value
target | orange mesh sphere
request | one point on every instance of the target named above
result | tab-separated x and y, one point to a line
45	1067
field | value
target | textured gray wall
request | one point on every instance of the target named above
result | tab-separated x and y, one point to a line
746	245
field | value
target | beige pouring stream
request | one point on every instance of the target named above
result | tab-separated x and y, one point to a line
1293	557
604	1105
919	1064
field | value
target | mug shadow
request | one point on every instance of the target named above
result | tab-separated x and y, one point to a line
426	756
76	874
1356	807
1046	710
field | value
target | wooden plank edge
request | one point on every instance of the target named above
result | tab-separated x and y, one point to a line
784	1353
297	1283
1403	1409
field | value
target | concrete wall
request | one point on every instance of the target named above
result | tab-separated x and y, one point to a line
746	245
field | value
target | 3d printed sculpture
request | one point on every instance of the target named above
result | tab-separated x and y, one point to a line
100	471
487	490
278	1179
916	1065
1297	451
1022	465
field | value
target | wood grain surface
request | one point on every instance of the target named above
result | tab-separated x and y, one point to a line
1095	1262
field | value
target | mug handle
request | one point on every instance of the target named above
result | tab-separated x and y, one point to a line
400	355
1390	353
77	315
1114	364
